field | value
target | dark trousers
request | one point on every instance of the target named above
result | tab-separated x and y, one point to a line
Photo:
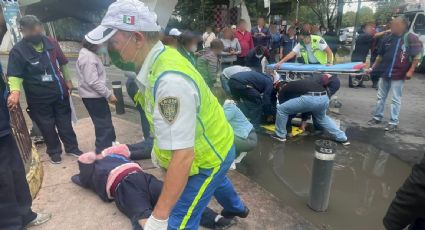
15	197
250	100
52	115
408	207
137	195
375	78
100	114
132	89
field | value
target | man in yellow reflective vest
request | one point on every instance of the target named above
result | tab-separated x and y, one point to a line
192	138
312	48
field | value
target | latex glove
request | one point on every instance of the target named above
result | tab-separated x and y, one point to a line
154	160
154	224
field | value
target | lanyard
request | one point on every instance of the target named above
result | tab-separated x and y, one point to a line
54	74
394	57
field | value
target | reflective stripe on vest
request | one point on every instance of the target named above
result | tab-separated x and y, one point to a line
213	135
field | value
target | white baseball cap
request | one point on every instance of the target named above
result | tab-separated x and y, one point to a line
127	15
233	27
174	32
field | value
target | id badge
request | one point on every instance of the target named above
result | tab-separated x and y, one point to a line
47	78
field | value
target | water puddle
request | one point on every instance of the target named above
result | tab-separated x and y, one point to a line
365	180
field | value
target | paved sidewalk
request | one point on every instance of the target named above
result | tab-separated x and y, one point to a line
76	208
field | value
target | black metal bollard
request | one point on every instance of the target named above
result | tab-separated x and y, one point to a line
119	105
321	179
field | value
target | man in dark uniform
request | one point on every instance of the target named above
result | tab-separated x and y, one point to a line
305	96
363	45
15	197
33	63
254	91
332	84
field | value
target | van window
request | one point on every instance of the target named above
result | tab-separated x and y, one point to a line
419	26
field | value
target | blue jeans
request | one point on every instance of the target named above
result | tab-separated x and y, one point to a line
198	192
317	105
384	87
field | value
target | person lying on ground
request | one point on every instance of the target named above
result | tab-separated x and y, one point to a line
114	177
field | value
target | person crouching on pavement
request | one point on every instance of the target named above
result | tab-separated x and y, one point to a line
305	96
114	177
253	91
38	63
193	139
95	94
398	57
332	84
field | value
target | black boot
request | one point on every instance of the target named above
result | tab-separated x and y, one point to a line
243	214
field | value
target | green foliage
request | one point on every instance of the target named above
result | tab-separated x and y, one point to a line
365	15
256	9
305	14
325	10
348	19
193	15
385	10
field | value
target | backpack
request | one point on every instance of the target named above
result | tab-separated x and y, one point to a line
406	44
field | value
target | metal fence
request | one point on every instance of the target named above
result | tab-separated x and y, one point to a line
23	139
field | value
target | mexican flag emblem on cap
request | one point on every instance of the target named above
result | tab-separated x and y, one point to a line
129	19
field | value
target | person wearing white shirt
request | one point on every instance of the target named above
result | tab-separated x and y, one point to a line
208	37
193	140
312	48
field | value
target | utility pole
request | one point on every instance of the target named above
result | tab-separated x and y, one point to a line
356	24
339	14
